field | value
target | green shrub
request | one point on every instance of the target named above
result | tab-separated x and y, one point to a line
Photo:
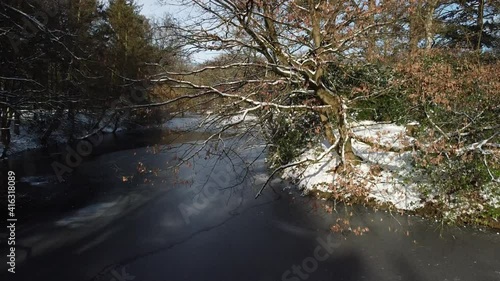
372	89
289	133
458	176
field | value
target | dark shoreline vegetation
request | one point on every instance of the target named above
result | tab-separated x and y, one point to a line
285	73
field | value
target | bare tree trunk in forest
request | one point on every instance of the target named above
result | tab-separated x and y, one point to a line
372	39
480	24
415	24
79	12
54	124
429	24
117	123
421	21
71	119
6	117
17	123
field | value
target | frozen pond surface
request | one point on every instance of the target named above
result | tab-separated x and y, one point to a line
122	215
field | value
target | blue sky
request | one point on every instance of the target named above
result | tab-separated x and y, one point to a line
152	8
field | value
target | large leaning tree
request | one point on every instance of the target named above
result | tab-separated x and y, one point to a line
278	54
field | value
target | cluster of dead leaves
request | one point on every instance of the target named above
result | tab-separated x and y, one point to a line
344	225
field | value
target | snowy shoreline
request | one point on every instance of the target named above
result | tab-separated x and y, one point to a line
26	140
385	177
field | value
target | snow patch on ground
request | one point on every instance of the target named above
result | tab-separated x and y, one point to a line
314	175
387	134
390	182
491	194
23	141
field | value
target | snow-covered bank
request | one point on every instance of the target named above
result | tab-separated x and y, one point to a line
29	135
22	141
384	175
30	131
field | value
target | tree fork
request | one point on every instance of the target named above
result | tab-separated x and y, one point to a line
345	146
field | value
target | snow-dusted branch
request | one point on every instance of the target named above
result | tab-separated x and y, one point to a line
212	90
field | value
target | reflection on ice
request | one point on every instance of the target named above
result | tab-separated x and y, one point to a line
86	214
38	180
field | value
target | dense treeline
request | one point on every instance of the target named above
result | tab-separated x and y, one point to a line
61	58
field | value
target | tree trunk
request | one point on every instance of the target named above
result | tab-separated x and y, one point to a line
6	117
17	123
54	124
413	40
337	109
371	51
327	125
71	119
117	123
429	23
345	145
416	25
480	25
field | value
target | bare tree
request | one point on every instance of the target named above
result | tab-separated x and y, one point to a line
294	43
